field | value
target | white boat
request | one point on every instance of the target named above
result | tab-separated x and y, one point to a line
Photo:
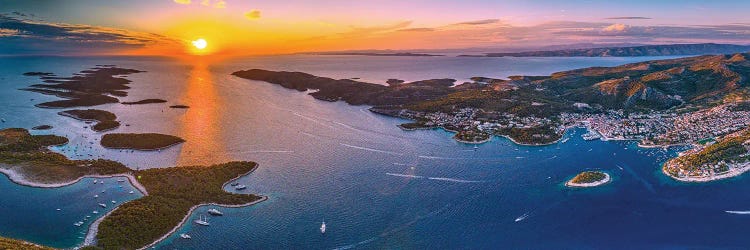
522	217
202	221
96	196
58	209
102	205
131	192
120	180
214	211
240	187
565	140
95	212
94	181
323	227
185	236
113	202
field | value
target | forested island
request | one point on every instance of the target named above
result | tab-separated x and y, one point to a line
143	141
643	50
105	120
589	179
170	193
656	102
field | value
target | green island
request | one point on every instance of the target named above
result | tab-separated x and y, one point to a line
144	141
726	157
170	193
6	243
589	179
96	86
145	101
105	120
645	101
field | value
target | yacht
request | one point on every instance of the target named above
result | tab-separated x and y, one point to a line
214	211
96	196
102	205
185	236
95	212
113	202
240	187
202	221
323	227
131	192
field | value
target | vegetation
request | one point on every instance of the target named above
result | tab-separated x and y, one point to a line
471	136
146	101
415	125
172	192
105	120
179	106
6	243
728	149
88	88
147	141
589	177
28	155
533	135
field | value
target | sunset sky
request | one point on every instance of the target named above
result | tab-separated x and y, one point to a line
230	27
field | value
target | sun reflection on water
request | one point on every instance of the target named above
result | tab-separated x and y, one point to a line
200	125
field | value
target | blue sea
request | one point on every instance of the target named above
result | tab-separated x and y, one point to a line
374	185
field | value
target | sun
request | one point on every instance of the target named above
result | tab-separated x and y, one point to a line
200	43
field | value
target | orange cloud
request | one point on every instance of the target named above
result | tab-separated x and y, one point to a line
182	1
253	14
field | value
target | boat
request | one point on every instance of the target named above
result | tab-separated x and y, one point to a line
102	205
58	209
565	140
185	236
214	211
95	212
78	224
120	180
476	147
131	192
234	184
94	181
96	196
323	227
522	217
201	221
113	202
240	187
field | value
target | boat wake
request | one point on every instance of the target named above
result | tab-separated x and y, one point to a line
400	164
452	180
370	149
522	217
434	178
738	212
313	120
406	175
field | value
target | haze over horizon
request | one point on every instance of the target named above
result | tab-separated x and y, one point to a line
233	28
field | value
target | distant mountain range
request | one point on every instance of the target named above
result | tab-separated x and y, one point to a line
645	50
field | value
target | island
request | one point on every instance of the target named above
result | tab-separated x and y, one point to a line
589	179
170	194
180	106
96	86
657	103
6	243
144	141
643	50
145	101
42	127
344	53
726	157
105	121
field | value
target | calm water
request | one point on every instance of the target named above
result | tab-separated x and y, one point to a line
375	185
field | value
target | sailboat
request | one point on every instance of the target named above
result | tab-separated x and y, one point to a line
201	221
323	227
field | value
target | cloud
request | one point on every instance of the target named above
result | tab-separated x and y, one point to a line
182	1
628	18
618	27
371	30
253	14
20	36
416	30
479	22
220	4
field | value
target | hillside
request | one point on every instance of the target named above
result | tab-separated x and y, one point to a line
645	50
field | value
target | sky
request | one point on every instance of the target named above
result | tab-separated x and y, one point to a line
251	27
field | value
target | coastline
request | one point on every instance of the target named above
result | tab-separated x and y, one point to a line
19	179
606	180
729	174
190	212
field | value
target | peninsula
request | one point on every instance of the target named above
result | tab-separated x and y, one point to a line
659	103
727	157
169	193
